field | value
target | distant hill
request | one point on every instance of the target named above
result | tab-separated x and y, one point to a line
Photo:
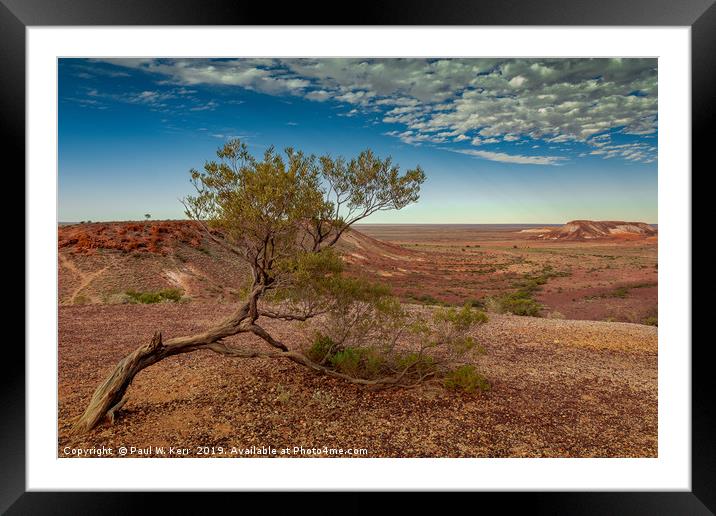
100	262
596	229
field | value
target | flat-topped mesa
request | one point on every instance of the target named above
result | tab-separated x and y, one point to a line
599	229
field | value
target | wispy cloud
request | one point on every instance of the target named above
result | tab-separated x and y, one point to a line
512	158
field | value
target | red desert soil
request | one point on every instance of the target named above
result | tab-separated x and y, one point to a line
599	279
613	279
560	389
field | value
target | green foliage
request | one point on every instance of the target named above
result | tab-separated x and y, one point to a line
426	299
321	349
462	319
283	394
620	292
353	361
347	361
466	378
360	338
420	363
282	213
167	294
521	302
652	320
273	209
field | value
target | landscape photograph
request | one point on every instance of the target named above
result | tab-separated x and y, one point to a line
357	257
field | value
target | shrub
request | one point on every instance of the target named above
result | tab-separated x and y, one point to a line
652	317
492	304
117	299
462	319
347	361
167	294
419	363
361	340
476	303
466	378
620	292
321	349
652	320
519	303
428	299
283	394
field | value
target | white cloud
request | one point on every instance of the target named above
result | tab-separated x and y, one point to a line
318	95
483	141
415	138
512	158
209	106
553	100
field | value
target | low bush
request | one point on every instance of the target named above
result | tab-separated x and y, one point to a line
520	303
368	349
321	348
348	361
555	315
620	292
466	378
419	363
428	299
167	294
652	317
476	303
652	320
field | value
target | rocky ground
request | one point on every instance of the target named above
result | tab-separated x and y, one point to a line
560	388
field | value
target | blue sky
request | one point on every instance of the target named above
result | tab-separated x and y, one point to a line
501	140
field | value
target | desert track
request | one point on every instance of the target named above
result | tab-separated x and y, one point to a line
86	278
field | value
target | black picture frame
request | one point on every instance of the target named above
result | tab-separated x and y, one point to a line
700	15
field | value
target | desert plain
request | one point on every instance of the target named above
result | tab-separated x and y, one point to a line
576	378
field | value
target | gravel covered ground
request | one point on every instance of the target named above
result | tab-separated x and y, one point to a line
560	388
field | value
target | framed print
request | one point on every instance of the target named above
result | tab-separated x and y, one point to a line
440	250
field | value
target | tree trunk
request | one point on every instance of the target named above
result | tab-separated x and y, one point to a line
111	394
112	391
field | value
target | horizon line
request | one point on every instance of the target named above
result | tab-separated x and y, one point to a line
382	223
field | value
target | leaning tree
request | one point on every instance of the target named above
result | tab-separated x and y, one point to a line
283	215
